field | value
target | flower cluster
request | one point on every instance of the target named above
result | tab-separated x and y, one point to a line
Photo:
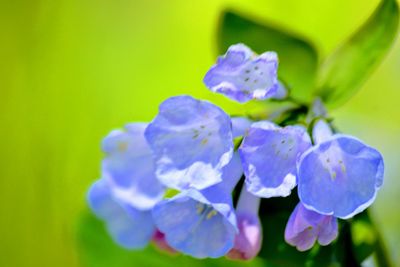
195	148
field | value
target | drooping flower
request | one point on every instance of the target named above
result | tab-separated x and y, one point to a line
248	239
242	75
192	142
305	227
129	167
129	227
340	175
269	154
201	223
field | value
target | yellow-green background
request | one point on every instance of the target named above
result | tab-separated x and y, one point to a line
72	70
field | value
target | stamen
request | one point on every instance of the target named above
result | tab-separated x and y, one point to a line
342	166
196	134
211	214
200	208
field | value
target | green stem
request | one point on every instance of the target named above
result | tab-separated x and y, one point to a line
349	258
381	257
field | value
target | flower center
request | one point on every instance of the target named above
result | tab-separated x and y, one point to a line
206	210
333	162
284	147
202	133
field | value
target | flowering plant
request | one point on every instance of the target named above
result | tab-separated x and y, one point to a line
175	181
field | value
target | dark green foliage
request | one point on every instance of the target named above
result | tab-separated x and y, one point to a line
344	71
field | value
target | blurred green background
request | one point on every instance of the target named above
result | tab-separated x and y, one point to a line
72	70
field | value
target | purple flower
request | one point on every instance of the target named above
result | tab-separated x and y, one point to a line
340	175
242	75
201	223
129	167
192	142
248	240
305	227
129	227
269	154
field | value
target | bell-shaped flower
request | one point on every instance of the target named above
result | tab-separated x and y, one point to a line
248	239
191	141
129	167
201	223
129	227
340	175
269	154
305	227
242	75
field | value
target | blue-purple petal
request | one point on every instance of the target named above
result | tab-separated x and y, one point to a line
195	226
321	131
269	154
231	175
129	227
129	167
192	142
240	125
340	176
281	91
202	223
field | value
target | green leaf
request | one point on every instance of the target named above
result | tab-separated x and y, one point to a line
343	72
364	236
367	240
297	58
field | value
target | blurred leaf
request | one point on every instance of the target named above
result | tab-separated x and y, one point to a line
274	248
345	252
343	72
364	236
96	249
367	240
297	58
